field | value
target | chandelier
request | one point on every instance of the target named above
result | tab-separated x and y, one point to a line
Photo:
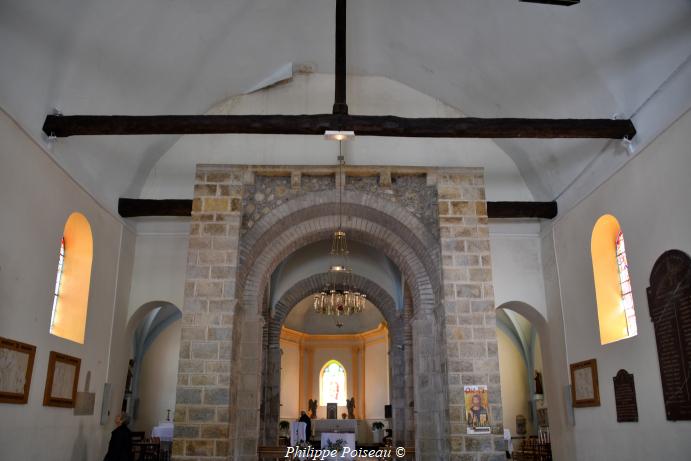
339	296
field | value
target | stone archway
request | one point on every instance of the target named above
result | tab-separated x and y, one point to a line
431	223
368	219
400	375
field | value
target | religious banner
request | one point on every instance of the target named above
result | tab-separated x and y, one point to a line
477	409
669	301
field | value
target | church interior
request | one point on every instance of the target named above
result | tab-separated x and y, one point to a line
393	229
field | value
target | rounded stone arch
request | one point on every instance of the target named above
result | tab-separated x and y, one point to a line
372	220
367	218
315	283
299	291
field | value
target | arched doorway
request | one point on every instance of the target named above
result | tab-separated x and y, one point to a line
153	333
521	331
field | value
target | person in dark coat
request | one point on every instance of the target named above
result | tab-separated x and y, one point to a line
308	430
120	445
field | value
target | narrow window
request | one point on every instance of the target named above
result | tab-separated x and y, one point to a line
58	279
615	308
72	280
625	284
332	384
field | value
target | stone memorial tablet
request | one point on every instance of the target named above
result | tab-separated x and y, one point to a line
669	300
625	397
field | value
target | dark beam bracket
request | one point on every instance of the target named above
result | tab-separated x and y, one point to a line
134	207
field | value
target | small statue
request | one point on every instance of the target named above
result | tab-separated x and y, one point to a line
351	407
538	383
312	406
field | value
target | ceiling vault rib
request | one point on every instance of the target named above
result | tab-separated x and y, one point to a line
133	207
363	125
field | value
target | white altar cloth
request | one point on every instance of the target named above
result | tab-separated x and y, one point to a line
297	432
163	431
347	437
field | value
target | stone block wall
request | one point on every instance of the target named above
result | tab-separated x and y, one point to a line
471	344
203	390
448	344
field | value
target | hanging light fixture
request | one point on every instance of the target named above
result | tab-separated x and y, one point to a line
339	296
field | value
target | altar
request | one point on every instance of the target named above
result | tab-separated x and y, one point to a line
359	428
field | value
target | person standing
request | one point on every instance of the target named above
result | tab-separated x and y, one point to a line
120	445
308	423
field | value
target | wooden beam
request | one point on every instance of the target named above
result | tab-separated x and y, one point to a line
554	2
133	207
364	125
136	207
340	106
546	210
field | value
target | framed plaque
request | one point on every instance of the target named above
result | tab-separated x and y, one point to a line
332	411
669	301
16	365
585	391
61	381
625	397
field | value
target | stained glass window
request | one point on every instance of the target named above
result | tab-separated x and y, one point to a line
58	279
625	286
332	385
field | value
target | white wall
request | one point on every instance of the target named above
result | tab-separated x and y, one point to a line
515	394
36	197
159	270
650	198
290	378
516	264
158	378
376	379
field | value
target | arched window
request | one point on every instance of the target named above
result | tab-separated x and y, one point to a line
615	309
71	295
332	384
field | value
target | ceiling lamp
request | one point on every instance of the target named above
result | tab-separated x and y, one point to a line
339	296
333	135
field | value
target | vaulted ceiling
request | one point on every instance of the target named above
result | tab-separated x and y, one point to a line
488	58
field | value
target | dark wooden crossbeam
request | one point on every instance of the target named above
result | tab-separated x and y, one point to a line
554	2
363	125
545	210
340	106
135	207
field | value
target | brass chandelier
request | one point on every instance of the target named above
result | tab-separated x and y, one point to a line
339	296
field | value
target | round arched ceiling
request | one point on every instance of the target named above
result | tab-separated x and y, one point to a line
303	319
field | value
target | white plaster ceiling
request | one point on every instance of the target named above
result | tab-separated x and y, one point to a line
485	57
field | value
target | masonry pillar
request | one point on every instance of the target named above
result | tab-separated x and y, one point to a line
471	344
203	391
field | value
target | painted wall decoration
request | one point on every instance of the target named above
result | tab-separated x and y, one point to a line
16	366
585	390
61	380
477	409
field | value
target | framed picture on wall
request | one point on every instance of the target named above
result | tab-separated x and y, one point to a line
16	365
62	380
585	390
